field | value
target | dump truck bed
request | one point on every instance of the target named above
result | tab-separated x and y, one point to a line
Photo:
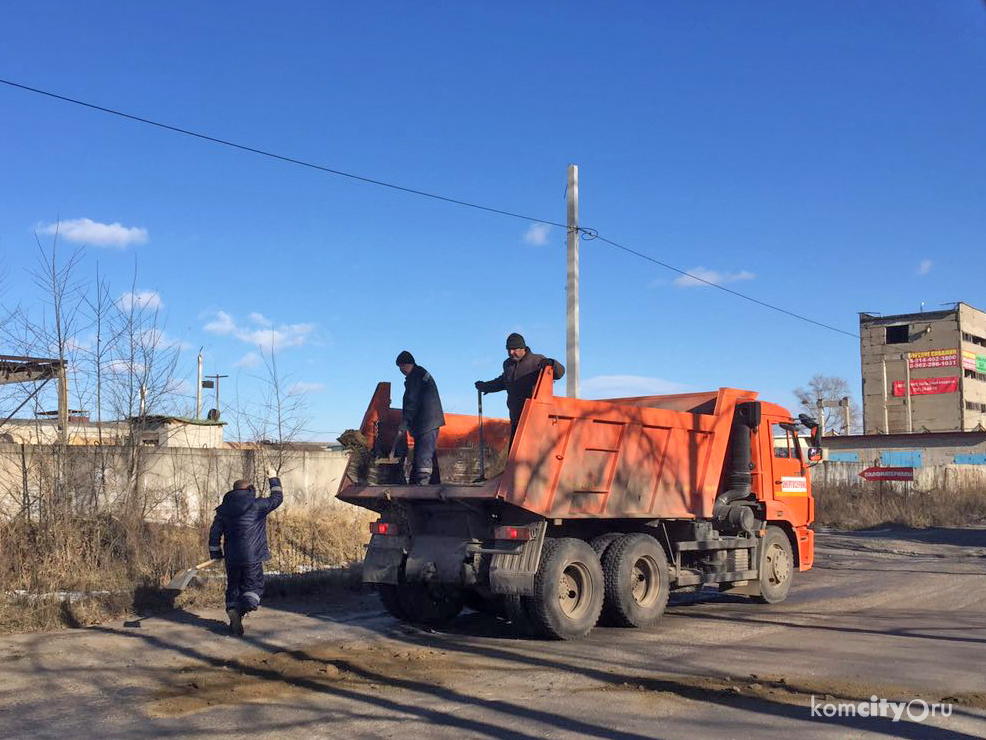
644	457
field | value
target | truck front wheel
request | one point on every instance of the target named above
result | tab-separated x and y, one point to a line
637	582
776	566
568	589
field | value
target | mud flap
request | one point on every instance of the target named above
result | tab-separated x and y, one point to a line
436	559
513	573
749	588
383	565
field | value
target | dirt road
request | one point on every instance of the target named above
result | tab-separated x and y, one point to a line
899	615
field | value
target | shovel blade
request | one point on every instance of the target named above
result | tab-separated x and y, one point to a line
180	582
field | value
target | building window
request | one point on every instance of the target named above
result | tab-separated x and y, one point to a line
973	406
974	375
967	337
899	334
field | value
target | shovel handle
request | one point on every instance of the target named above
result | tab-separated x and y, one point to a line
482	450
207	563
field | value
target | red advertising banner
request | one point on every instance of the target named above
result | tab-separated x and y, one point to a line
928	386
934	358
888	474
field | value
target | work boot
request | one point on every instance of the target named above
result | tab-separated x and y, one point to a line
235	622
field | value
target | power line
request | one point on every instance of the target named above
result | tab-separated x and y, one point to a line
281	157
721	287
589	234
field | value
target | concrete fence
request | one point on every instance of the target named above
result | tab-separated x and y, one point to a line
926	478
175	484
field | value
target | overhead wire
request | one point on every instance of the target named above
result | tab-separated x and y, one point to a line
587	233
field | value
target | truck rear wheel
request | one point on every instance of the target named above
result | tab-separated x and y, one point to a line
390	597
776	566
601	543
430	607
637	582
568	589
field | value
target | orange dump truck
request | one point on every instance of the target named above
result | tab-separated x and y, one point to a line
603	509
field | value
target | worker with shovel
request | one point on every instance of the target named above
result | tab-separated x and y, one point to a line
422	416
241	524
520	374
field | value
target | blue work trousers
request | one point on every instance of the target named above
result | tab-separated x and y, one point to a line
244	586
424	468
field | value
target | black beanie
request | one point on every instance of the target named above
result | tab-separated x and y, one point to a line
405	358
516	341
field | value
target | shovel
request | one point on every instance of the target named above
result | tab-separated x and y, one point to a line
482	447
180	582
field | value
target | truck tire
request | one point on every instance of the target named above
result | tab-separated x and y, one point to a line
603	541
635	568
776	566
425	606
568	590
518	612
390	597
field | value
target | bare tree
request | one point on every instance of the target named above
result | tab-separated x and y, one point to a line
829	388
277	422
140	379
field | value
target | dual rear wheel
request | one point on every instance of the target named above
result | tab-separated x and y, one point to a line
622	577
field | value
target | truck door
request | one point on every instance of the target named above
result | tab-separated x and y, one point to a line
790	478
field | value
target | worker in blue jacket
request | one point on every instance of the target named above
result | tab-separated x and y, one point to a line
241	524
422	416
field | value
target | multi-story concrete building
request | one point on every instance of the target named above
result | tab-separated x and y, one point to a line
924	372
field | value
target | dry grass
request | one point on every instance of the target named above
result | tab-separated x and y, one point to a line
74	571
864	506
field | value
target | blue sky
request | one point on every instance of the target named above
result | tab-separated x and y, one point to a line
825	157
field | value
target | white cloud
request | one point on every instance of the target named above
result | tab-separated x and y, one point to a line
264	334
123	367
141	299
711	276
537	234
221	324
93	233
622	386
301	387
925	267
250	359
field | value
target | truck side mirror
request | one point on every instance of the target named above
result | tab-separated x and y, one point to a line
814	454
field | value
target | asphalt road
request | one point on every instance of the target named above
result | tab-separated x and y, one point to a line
900	615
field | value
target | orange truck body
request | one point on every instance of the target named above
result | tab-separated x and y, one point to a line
583	468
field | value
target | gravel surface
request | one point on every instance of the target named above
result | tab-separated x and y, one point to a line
896	614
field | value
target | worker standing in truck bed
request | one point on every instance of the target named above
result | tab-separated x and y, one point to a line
520	375
422	416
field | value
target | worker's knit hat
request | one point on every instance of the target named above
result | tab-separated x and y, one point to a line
405	358
516	341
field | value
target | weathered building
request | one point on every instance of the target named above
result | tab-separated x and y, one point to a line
149	431
924	372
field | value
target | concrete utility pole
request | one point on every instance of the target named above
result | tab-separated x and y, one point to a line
572	334
198	390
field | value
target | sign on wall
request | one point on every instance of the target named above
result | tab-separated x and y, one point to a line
972	361
888	474
933	358
928	386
